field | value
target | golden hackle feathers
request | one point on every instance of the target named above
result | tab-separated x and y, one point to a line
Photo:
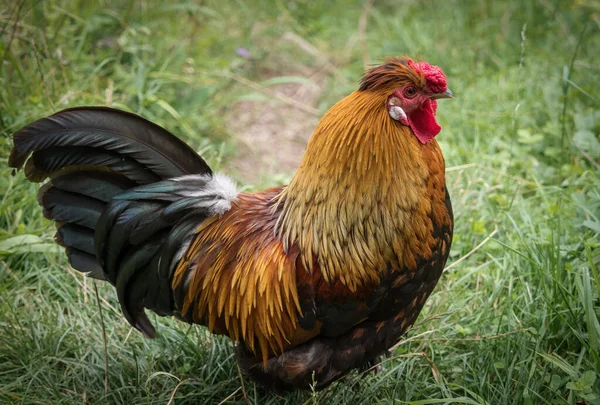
359	199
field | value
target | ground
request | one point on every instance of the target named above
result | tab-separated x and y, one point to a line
259	125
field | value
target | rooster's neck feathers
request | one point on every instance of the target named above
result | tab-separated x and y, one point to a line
364	178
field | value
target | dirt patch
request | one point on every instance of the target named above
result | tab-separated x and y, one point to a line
272	135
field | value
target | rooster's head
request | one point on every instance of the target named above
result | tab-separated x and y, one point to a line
410	90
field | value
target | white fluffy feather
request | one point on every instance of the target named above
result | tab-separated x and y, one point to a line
218	193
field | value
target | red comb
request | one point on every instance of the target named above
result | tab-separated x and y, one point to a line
436	79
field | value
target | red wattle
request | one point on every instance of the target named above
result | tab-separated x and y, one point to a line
423	123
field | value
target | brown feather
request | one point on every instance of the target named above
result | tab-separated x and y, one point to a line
242	282
393	73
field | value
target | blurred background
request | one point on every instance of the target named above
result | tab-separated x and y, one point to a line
514	319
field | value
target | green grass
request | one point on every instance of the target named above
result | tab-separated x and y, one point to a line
515	321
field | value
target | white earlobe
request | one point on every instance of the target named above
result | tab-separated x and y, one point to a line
397	113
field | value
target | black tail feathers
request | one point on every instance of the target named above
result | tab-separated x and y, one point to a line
92	155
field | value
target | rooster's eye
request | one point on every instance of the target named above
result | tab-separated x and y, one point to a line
410	92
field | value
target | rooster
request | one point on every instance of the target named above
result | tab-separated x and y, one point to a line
310	280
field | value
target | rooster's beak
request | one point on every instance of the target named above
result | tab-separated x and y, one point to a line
447	94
